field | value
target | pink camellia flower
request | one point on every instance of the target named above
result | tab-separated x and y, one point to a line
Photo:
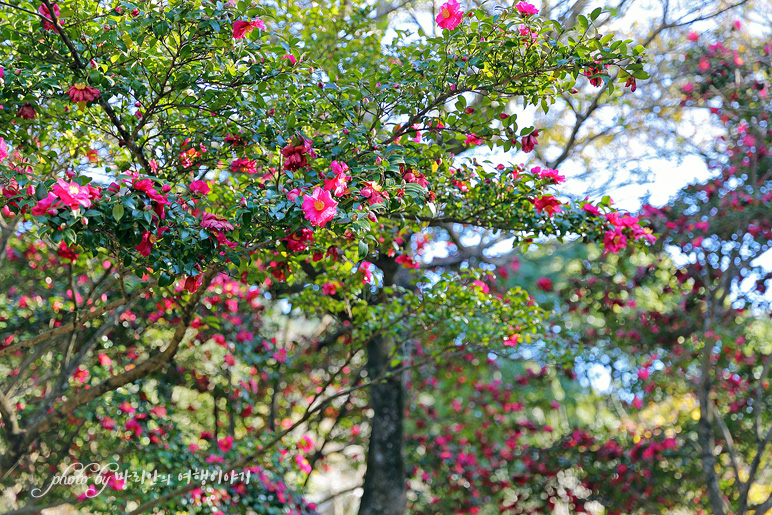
46	206
45	13
512	340
108	423
27	112
158	411
643	374
81	94
529	142
127	408
293	194
242	28
305	444
3	150
81	375
692	36
374	192
337	185
482	286
472	140
303	464
216	222
105	360
290	58
589	208
637	403
73	195
199	188
329	288
117	483
526	8
614	241
550	174
450	15
319	207
547	203
225	444
367	272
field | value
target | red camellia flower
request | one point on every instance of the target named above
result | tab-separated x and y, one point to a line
529	142
146	245
216	222
450	15
547	203
544	283
242	28
243	165
593	74
298	241
66	252
295	154
192	283
81	94
26	112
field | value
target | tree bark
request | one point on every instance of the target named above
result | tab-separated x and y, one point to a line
385	490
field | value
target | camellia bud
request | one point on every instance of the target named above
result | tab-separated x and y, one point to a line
84	220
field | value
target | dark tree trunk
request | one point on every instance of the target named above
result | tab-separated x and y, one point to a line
385	484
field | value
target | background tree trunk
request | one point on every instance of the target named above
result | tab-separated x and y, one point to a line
384	486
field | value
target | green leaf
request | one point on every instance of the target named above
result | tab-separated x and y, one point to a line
363	249
118	211
40	191
165	279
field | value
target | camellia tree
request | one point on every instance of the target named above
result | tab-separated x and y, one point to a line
183	181
684	328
